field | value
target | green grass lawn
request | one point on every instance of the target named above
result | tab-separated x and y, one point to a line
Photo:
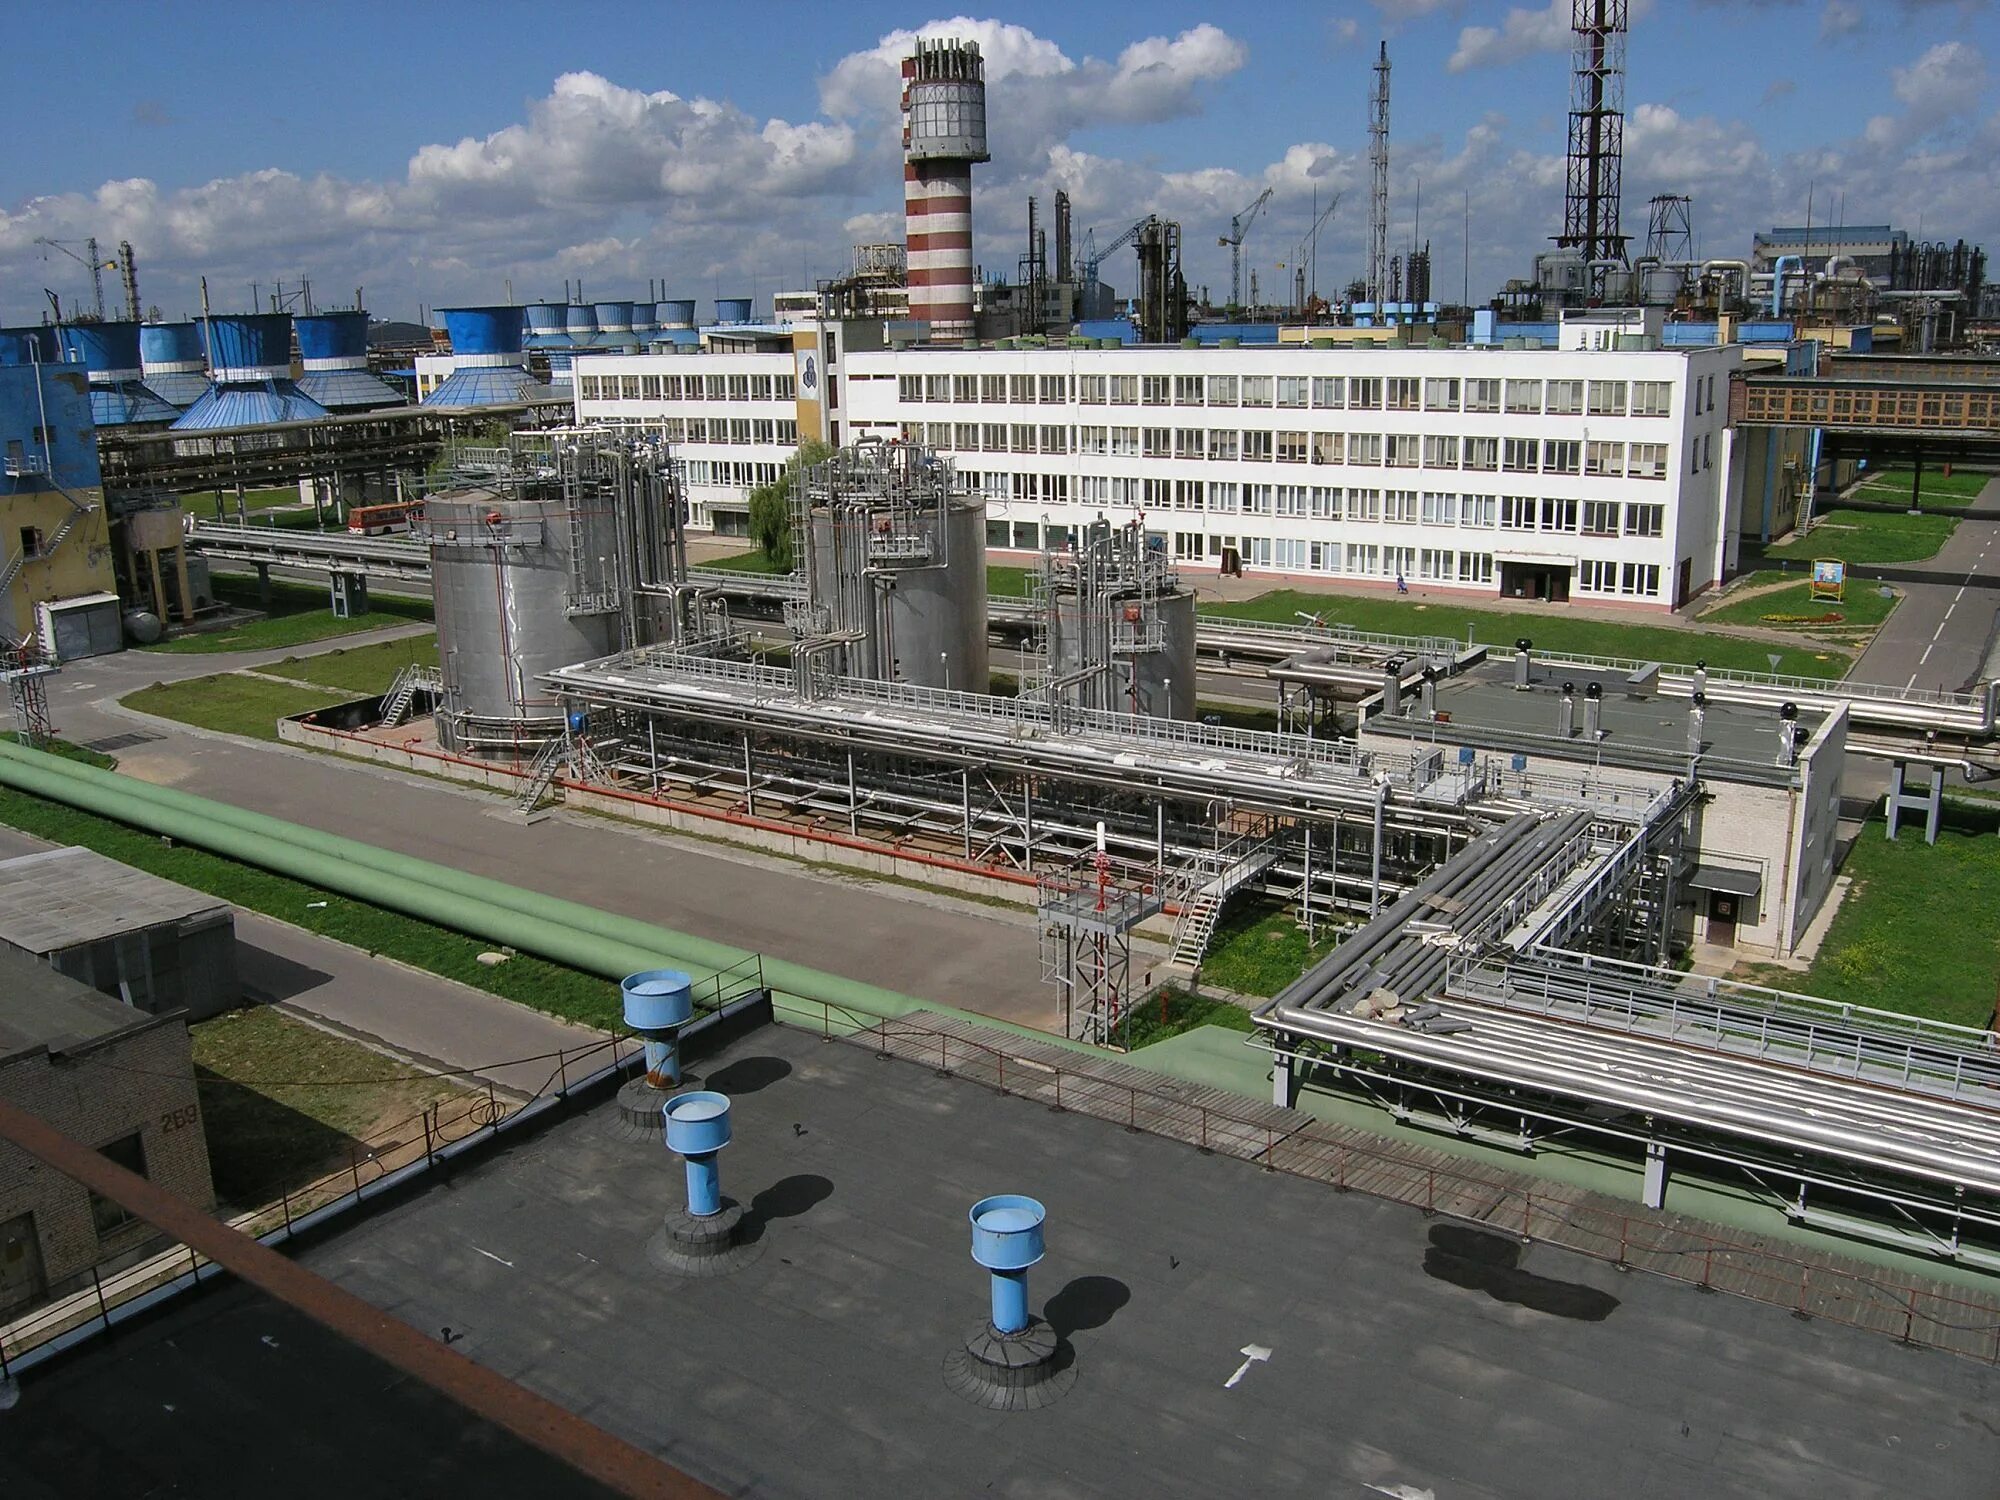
1867	536
1945	491
1006	581
232	702
1864	608
284	1103
753	561
298	613
360	670
1155	1017
1575	633
1260	948
543	986
1914	934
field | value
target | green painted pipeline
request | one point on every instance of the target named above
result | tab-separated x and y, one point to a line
565	932
414	897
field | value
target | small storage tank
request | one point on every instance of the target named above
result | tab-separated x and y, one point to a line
509	608
1660	286
1621	287
896	555
1119	629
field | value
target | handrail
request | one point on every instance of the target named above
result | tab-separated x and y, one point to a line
1284	1141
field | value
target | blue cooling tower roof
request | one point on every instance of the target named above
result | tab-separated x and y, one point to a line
732	309
107	349
678	313
484	330
29	345
110	352
250	360
334	335
485	385
248	347
171	358
333	351
490	368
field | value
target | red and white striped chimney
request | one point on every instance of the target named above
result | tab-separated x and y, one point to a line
944	133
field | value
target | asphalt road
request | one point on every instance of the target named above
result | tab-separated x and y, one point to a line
1942	634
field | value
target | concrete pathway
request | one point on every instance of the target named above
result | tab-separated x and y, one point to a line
1942	633
936	947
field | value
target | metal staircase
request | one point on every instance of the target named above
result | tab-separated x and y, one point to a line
551	763
1206	886
413	679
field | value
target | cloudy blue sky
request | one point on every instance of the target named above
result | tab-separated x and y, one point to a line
437	153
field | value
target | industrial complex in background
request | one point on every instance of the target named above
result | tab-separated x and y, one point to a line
1535	869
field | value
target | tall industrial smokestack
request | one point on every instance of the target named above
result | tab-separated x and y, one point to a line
944	133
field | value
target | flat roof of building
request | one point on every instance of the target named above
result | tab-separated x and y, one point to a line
1643	727
62	898
1399	1354
228	1392
40	1008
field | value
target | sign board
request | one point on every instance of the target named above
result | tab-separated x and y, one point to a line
1829	579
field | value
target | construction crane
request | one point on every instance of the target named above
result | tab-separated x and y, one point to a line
1239	225
1308	255
91	257
1094	257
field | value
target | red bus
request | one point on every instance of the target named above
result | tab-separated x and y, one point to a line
379	520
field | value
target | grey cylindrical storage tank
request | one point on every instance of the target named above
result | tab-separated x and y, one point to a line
502	580
926	623
897	561
1121	629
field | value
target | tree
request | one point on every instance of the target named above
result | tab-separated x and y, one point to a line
771	506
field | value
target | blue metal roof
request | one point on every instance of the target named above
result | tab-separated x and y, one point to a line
178	388
485	385
100	346
250	406
127	403
348	390
679	337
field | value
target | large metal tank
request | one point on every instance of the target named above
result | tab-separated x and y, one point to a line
895	564
923	620
1148	639
507	611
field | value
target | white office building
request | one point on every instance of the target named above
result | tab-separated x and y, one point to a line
1595	471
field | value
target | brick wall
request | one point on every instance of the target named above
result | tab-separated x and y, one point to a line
141	1081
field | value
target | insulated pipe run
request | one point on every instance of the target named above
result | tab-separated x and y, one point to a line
564	932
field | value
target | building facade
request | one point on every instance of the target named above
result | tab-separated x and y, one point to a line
54	539
107	1076
1588	473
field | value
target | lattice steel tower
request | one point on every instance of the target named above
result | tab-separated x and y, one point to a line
1670	228
1378	159
1596	134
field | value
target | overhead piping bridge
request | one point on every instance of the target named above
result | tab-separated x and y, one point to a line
1467	1007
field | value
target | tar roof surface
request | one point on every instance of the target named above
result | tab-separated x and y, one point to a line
1404	1351
41	1008
60	898
1485	699
231	1394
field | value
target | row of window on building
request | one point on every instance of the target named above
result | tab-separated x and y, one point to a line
1555	398
685	388
1357	505
782	431
1366	560
1523	455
